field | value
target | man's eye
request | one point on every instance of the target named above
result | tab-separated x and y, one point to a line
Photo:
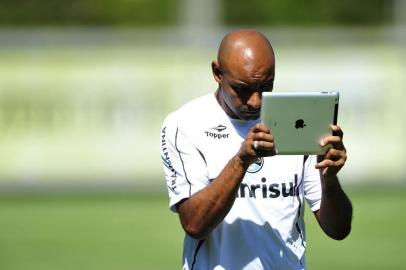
267	87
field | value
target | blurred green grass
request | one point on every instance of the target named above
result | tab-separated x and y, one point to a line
377	236
88	232
137	231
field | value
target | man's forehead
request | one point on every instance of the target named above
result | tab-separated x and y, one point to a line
248	57
244	75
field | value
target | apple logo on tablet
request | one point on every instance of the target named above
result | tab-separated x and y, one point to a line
299	124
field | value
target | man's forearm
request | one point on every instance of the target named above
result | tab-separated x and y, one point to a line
204	210
335	213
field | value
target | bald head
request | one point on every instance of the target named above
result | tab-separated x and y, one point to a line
244	47
244	69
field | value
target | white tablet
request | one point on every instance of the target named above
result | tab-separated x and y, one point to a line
299	120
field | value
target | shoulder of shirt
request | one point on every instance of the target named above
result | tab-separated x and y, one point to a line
192	110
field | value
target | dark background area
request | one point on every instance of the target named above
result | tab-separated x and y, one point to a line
166	12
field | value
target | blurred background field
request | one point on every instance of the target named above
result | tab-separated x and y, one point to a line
136	231
85	85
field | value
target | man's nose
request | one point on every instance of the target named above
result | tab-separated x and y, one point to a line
254	100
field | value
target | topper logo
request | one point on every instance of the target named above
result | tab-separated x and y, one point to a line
218	134
219	128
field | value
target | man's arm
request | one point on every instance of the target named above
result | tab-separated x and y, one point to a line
335	213
204	210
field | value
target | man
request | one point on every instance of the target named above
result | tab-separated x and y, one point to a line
240	204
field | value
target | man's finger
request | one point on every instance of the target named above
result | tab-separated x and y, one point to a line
337	131
266	153
261	136
324	164
263	145
330	139
334	154
335	141
260	128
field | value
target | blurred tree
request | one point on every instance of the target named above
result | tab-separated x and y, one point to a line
88	12
310	12
168	12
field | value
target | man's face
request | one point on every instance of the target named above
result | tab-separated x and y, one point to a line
241	88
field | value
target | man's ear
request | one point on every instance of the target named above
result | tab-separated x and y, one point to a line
217	73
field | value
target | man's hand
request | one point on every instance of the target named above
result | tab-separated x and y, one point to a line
334	159
335	213
258	143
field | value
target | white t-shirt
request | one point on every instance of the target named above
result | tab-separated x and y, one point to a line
264	228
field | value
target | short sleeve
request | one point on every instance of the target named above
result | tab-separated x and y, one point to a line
184	167
312	184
